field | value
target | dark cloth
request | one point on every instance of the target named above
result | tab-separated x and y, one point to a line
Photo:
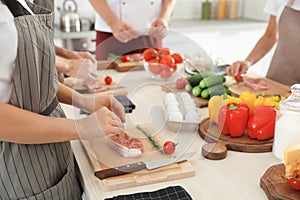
49	4
15	8
169	193
106	43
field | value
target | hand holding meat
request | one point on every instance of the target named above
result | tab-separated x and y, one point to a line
159	28
123	32
238	67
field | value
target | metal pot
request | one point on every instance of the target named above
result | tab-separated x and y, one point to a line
70	19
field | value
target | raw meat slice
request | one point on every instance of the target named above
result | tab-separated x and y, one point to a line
256	83
126	146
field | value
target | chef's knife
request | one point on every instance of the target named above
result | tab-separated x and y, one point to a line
134	167
103	89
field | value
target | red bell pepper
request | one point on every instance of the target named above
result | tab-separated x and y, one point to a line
233	118
261	124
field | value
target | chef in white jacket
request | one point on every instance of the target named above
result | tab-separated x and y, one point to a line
135	25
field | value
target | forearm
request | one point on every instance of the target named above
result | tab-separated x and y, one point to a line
167	9
65	53
62	65
21	126
104	11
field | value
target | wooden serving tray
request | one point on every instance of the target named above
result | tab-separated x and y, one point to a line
276	185
106	157
170	87
218	143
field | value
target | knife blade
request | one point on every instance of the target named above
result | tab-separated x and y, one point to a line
134	167
99	90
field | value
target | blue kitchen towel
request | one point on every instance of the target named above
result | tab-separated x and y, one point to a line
169	193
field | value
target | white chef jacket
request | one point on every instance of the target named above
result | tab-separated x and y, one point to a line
275	7
8	52
137	13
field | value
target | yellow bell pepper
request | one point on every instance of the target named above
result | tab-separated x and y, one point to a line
252	100
216	102
274	101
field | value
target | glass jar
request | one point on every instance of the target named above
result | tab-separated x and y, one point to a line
287	128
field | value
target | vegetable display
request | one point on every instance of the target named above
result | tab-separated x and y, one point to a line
233	118
261	124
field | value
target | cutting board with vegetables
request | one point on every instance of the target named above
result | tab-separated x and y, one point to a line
170	87
276	185
112	88
219	144
103	157
274	88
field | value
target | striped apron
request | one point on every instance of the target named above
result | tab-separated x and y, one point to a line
42	171
285	64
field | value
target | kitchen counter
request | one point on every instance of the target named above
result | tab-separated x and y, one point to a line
236	177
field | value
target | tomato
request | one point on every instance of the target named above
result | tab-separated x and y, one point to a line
181	83
108	80
154	67
165	73
125	58
238	78
162	52
169	147
295	182
167	60
177	57
150	54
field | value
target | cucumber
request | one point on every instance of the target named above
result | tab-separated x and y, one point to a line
188	87
215	90
211	81
195	79
196	91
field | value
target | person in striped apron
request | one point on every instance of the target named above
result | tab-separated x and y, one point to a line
285	64
36	160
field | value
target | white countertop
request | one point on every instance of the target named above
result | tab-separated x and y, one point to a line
236	177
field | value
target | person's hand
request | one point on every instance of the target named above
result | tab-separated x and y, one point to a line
91	103
159	28
238	67
83	69
98	124
86	55
123	32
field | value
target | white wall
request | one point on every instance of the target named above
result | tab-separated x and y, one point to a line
254	9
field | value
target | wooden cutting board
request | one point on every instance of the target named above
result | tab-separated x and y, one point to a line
104	157
276	185
218	143
274	88
120	66
171	87
113	88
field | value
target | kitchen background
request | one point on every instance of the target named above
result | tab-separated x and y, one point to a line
229	39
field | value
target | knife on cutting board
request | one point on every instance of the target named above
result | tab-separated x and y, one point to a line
134	167
103	89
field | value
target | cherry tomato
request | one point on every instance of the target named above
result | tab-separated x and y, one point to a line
167	60
177	57
169	147
295	182
181	83
165	73
162	52
125	58
108	80
238	78
154	67
150	54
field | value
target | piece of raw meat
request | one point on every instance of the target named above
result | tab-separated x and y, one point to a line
256	83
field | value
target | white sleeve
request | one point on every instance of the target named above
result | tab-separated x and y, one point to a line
8	52
272	7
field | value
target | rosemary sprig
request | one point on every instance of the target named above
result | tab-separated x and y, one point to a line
152	139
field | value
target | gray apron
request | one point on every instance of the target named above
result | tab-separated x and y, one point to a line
285	64
42	171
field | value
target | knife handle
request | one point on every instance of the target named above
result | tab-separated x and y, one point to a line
121	170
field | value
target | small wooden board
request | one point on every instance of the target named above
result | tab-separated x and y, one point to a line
110	158
276	185
170	87
274	88
218	143
129	66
